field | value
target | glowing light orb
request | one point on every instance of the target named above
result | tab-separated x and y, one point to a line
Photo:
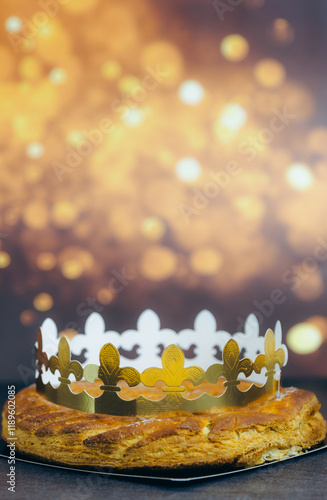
43	302
250	207
35	150
133	117
72	269
58	76
153	228
35	215
269	73
111	70
206	261
13	24
4	260
282	32
233	117
299	176
46	31
129	84
188	169
105	296
191	92
76	254
128	201
46	261
27	317
76	138
64	214
168	57
30	68
304	338
158	263
234	48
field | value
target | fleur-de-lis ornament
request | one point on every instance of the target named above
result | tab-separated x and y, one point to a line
110	372
173	372
64	364
232	366
271	355
41	357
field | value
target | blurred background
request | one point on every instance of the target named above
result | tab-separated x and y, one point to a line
166	155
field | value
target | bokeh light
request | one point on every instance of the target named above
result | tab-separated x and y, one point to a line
281	32
233	117
269	73
133	117
167	56
206	261
13	24
304	338
111	70
58	76
188	169
153	228
34	150
193	159
46	261
105	296
35	215
234	48
191	92
4	260
43	302
72	269
128	84
64	214
28	317
299	176
158	263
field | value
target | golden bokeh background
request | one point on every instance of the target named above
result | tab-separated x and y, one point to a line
167	155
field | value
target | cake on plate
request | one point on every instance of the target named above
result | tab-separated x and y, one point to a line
164	411
261	431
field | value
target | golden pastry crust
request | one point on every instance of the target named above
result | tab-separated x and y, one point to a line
262	431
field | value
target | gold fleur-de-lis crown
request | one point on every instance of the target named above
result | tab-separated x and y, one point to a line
171	378
173	372
272	356
232	366
63	363
109	370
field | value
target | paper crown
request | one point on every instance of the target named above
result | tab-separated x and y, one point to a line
189	358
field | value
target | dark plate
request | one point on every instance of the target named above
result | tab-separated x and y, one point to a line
189	474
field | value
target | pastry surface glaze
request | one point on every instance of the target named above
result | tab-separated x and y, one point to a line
262	431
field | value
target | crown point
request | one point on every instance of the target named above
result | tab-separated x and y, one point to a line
94	324
148	321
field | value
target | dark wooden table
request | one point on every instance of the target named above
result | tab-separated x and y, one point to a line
301	478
